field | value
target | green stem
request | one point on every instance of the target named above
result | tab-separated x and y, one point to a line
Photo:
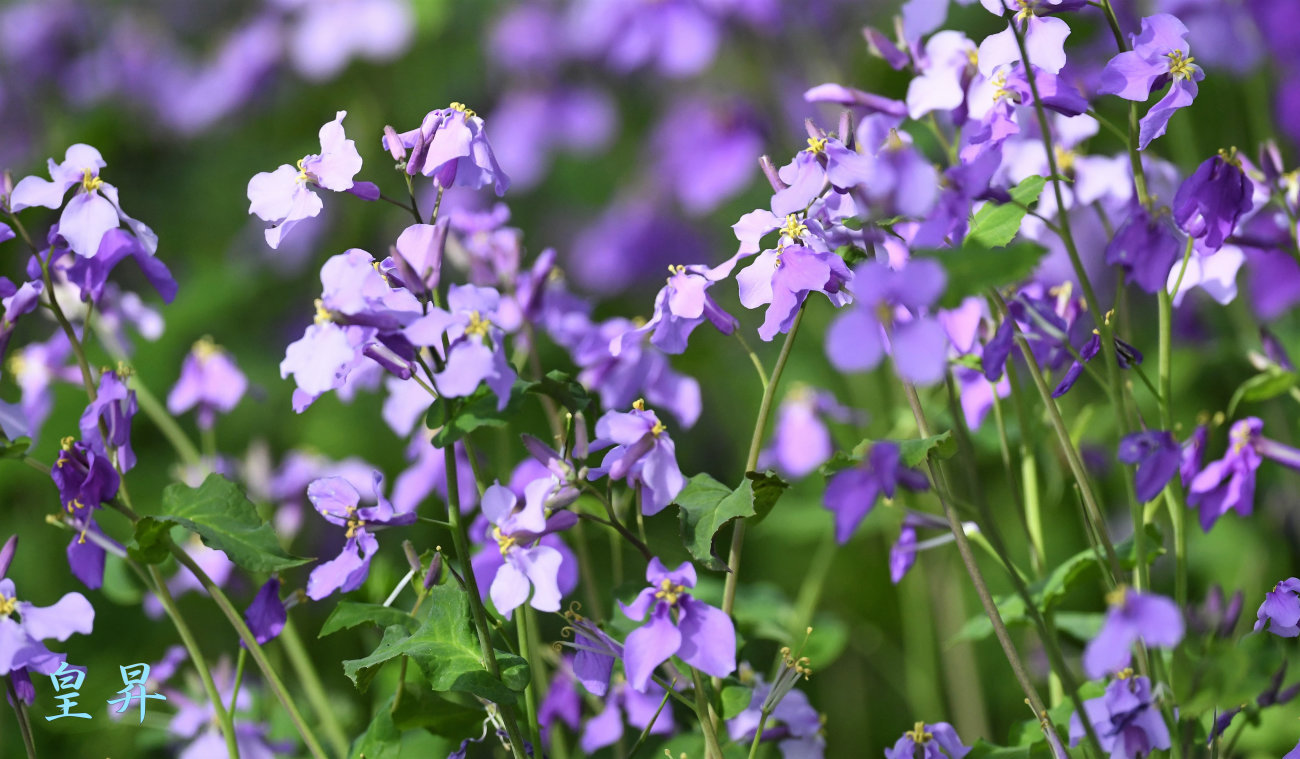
87	376
460	539
522	623
758	735
712	749
225	719
239	678
751	461
645	733
24	723
753	358
326	713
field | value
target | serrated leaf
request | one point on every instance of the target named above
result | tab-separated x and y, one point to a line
151	542
735	699
566	390
975	268
705	506
226	520
446	650
913	453
1264	386
456	418
349	614
767	487
996	224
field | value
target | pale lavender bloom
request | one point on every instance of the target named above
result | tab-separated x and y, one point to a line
639	370
643	454
21	639
1222	30
677	37
825	160
1125	719
1133	616
680	306
419	255
783	278
606	728
210	380
451	146
94	208
704	151
113	408
703	636
284	197
852	493
337	500
527	566
944	74
1158	457
1211	271
35	367
801	441
1044	36
856	340
1160	54
470	337
326	34
1280	611
936	741
1229	483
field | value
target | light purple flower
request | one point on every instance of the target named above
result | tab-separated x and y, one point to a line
94	208
452	147
1126	720
21	639
794	725
1280	612
520	563
326	34
1213	199
801	441
643	454
470	338
1133	616
284	197
210	380
640	370
704	151
1158	457
677	37
1229	483
936	741
1147	248
703	636
337	500
1160	54
1044	36
852	493
266	615
945	71
682	305
782	279
856	340
606	728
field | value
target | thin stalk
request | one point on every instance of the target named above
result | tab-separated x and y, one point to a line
758	735
461	541
522	623
1174	495
751	461
645	733
239	678
326	714
712	749
87	376
753	358
24	723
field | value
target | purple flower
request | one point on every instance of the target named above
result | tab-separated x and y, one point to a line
1126	355
682	305
94	208
284	197
1133	616
606	728
705	151
945	71
852	493
529	125
519	562
451	146
85	478
677	38
21	645
195	721
1147	248
210	380
826	159
1211	201
326	35
783	278
936	741
113	408
337	500
1280	612
562	702
1158	457
801	441
15	302
1229	482
703	636
472	330
266	615
90	275
902	555
643	454
855	341
1125	718
419	255
794	725
594	654
1159	55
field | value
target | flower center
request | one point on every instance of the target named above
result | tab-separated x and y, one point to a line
323	315
205	349
1180	66
639	404
1026	8
354	522
90	182
1000	91
658	429
816	145
1117	596
793	228
1064	158
918	734
477	325
302	172
669	592
469	112
504	542
16	364
1240	438
1125	673
7	605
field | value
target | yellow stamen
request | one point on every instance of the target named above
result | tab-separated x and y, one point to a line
90	182
1117	596
7	605
16	364
669	592
302	171
1180	66
469	112
504	542
793	228
477	325
323	315
1125	673
1064	158
658	429
918	734
66	443
816	145
204	348
639	404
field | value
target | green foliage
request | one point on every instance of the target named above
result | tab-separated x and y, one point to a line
454	418
996	224
1264	386
912	453
974	269
151	542
14	449
349	614
381	740
707	505
735	699
220	513
446	650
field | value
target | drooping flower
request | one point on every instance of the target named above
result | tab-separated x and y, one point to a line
1280	612
114	407
451	146
852	493
22	640
266	615
94	208
1125	355
1229	483
643	454
681	305
337	500
936	741
641	710
1133	616
520	567
210	380
85	477
1126	720
1146	247
801	441
897	301
1160	54
1157	455
703	636
792	724
1213	199
284	197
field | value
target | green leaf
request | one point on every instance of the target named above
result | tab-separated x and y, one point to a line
14	449
566	391
1264	386
226	520
914	452
982	749
349	614
381	740
851	254
995	225
735	699
457	417
422	708
707	505
1049	591
151	542
975	268
446	649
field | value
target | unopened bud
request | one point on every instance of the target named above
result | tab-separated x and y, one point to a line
394	144
435	571
769	171
412	558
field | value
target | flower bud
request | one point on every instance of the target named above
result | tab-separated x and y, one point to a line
394	144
